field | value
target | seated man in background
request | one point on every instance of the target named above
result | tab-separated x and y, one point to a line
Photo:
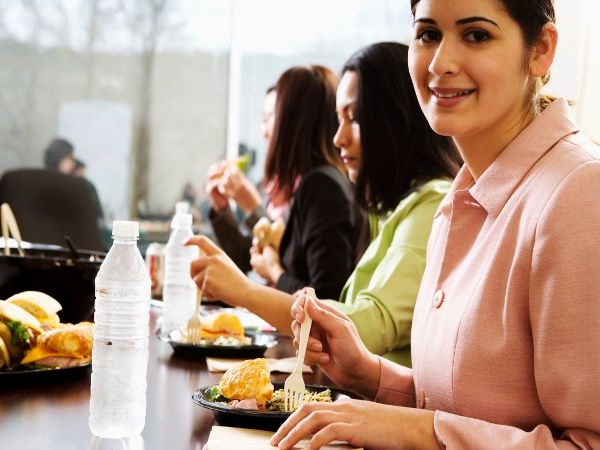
58	156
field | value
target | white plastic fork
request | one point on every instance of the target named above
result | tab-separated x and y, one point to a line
194	324
293	389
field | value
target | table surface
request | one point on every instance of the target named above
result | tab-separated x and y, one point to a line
55	415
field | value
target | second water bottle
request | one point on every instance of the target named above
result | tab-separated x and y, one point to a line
179	291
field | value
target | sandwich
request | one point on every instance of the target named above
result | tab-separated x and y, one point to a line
222	325
249	380
31	334
266	233
66	346
18	332
241	162
38	304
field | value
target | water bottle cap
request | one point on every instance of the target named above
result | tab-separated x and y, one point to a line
182	207
126	229
182	220
182	217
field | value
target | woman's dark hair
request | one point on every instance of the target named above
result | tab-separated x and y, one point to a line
305	123
400	151
56	151
531	16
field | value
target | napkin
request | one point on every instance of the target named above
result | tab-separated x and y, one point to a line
275	365
226	438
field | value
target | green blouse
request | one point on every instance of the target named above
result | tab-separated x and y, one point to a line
380	294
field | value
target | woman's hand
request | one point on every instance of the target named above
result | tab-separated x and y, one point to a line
218	201
234	185
266	263
335	345
217	273
361	423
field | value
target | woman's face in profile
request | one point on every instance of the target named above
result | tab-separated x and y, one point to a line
347	138
268	116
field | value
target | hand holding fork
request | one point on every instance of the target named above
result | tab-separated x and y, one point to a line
294	387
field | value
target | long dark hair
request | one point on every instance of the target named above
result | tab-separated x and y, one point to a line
400	151
305	123
531	16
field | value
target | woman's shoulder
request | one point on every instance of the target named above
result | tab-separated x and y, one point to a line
422	202
586	149
325	175
574	153
436	186
326	170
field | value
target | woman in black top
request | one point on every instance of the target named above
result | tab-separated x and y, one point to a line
305	176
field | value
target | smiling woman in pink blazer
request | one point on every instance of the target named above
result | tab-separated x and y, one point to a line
506	330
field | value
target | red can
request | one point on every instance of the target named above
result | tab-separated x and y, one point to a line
155	261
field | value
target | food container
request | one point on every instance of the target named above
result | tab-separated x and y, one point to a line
66	275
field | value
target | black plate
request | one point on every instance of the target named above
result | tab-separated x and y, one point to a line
25	378
249	418
260	343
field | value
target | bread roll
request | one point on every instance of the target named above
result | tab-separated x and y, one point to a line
69	339
14	312
40	305
65	346
222	324
267	233
248	380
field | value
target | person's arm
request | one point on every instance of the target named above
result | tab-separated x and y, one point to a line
381	293
335	344
221	279
324	221
258	213
235	243
336	347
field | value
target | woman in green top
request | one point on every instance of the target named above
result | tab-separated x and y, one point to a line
401	170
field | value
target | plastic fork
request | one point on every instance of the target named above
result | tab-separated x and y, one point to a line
293	389
194	324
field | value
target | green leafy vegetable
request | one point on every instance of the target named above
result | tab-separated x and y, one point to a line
20	335
214	395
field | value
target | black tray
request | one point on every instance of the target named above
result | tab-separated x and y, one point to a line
38	377
259	344
249	418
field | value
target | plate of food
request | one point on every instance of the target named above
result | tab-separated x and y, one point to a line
223	336
245	397
36	346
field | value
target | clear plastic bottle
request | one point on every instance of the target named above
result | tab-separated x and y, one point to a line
179	290
120	350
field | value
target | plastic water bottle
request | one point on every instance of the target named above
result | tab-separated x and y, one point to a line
179	290
120	350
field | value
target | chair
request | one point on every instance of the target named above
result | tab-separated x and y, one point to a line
49	206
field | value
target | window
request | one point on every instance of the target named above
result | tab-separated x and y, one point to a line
151	92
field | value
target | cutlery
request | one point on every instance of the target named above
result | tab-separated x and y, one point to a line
294	387
194	324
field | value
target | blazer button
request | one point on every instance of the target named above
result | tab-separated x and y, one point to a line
421	399
438	298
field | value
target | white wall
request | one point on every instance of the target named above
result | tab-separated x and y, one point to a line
576	69
100	131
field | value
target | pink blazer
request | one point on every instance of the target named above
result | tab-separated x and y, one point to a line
506	330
